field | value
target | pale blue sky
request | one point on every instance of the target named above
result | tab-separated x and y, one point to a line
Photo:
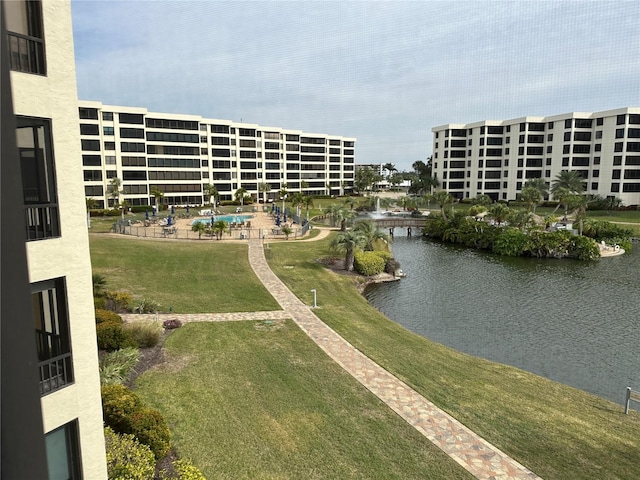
384	72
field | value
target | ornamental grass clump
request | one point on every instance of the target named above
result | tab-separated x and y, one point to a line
115	366
145	333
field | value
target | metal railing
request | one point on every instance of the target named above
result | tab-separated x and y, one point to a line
26	54
237	233
42	221
631	396
55	373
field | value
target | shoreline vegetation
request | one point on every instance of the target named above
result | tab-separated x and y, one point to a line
555	430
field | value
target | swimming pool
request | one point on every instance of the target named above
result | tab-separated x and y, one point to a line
226	218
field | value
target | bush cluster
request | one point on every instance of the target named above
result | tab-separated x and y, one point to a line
369	263
110	333
183	470
118	301
146	334
512	241
125	413
127	459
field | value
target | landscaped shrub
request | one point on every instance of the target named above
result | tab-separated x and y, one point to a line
124	412
115	366
118	301
183	470
172	323
150	428
384	254
145	333
127	459
112	336
368	263
100	302
107	316
511	242
118	405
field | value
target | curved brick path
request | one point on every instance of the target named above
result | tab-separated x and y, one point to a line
476	455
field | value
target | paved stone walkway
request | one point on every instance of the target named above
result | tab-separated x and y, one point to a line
476	455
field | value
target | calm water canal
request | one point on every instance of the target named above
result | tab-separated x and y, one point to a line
574	322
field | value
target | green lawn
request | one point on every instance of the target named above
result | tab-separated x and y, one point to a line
189	277
557	431
251	400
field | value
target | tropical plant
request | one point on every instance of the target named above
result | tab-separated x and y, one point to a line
297	199
520	219
115	366
286	230
157	195
264	188
199	227
443	199
307	202
212	192
114	189
145	333
220	227
482	199
371	234
531	196
348	242
350	202
499	212
99	284
344	216
240	195
540	185
422	180
566	184
389	168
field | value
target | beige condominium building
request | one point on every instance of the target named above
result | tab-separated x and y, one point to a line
497	158
61	356
180	155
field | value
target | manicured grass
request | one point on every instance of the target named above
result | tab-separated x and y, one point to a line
253	400
557	431
189	277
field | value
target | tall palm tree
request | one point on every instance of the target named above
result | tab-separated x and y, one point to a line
297	199
566	183
264	188
158	194
212	192
114	190
370	232
307	202
348	242
389	168
240	194
219	227
531	196
443	199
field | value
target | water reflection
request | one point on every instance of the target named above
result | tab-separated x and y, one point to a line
574	322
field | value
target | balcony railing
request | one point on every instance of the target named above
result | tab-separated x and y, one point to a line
42	221
26	54
55	373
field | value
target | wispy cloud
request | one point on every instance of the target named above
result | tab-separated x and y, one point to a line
385	72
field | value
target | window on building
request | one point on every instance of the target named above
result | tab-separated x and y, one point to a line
49	305
90	145
89	129
131	118
108	131
25	35
63	452
107	116
35	151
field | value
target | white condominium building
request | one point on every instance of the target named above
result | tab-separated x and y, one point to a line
180	155
51	291
497	158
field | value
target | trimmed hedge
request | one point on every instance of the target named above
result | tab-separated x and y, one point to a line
107	316
368	263
112	336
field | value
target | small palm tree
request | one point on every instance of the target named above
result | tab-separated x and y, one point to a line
348	242
219	228
157	194
531	196
307	202
199	227
566	183
287	230
499	212
212	192
371	234
99	284
443	199
240	194
344	216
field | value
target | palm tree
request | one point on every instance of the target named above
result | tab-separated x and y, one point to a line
348	242
499	212
304	185
389	168
114	190
158	194
540	185
297	199
343	216
531	196
566	183
332	211
240	194
370	232
286	229
520	219
443	199
199	227
219	227
99	284
212	192
91	203
482	199
307	202
350	202
264	188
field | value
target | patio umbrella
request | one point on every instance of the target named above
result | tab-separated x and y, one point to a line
273	207
212	220
285	217
169	220
187	208
278	221
173	210
146	214
153	211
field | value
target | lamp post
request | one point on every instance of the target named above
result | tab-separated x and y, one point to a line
284	197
